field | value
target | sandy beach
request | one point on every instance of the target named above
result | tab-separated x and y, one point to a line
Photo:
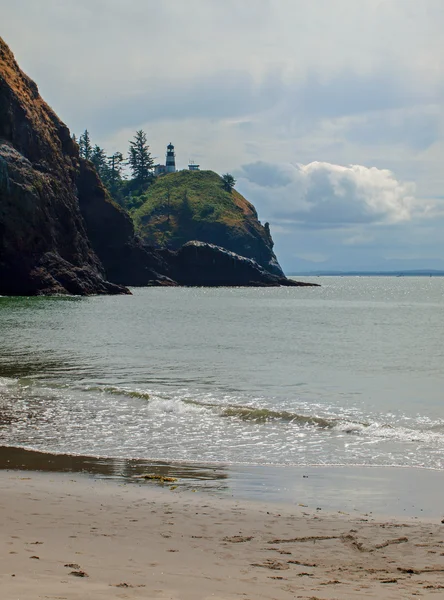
79	538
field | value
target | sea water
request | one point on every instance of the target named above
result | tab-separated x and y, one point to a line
349	373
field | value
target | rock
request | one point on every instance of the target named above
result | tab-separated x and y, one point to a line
55	275
201	264
44	247
126	260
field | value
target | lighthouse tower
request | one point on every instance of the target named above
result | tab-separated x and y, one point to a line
170	164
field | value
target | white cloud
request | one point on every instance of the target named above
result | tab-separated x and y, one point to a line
324	83
326	195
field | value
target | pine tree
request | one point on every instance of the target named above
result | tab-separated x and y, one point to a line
114	177
139	158
85	147
99	160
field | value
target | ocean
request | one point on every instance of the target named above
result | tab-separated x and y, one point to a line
349	373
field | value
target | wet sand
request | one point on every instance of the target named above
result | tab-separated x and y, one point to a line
394	491
73	537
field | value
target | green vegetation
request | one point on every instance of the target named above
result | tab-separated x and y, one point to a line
140	161
174	208
228	182
111	169
85	147
187	205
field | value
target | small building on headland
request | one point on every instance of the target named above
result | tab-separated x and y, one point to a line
159	170
192	166
170	163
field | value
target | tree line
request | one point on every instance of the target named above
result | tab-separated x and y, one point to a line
111	168
127	191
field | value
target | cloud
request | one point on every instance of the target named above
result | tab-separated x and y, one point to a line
325	195
419	127
266	83
220	95
350	92
382	100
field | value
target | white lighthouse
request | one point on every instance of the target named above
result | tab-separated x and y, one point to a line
170	163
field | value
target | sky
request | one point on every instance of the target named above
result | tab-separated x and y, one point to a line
329	113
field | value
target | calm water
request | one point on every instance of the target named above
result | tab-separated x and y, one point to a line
350	373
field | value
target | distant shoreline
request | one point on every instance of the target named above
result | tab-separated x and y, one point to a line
418	273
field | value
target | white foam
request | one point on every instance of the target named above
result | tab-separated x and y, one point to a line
7	381
402	434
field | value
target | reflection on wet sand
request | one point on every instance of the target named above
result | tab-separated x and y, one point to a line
204	477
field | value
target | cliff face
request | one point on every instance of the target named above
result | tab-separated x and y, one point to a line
44	247
124	257
192	205
59	230
61	233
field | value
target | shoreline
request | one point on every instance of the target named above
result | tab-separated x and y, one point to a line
77	537
394	492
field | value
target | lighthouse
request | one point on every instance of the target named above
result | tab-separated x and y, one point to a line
170	164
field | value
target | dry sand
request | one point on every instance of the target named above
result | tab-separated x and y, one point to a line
79	539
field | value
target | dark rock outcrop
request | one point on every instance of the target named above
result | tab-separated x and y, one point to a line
200	264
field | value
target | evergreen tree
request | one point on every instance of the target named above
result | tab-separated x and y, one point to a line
228	182
139	158
100	161
85	147
114	177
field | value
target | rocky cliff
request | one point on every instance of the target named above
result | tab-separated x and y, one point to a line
60	232
44	247
193	205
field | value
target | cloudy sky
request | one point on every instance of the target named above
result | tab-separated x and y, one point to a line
330	113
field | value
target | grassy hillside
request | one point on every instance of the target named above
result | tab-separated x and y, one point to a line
186	201
193	205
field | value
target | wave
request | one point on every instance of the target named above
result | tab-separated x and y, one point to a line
334	424
164	402
263	415
117	391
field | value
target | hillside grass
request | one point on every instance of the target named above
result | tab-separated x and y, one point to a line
178	205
